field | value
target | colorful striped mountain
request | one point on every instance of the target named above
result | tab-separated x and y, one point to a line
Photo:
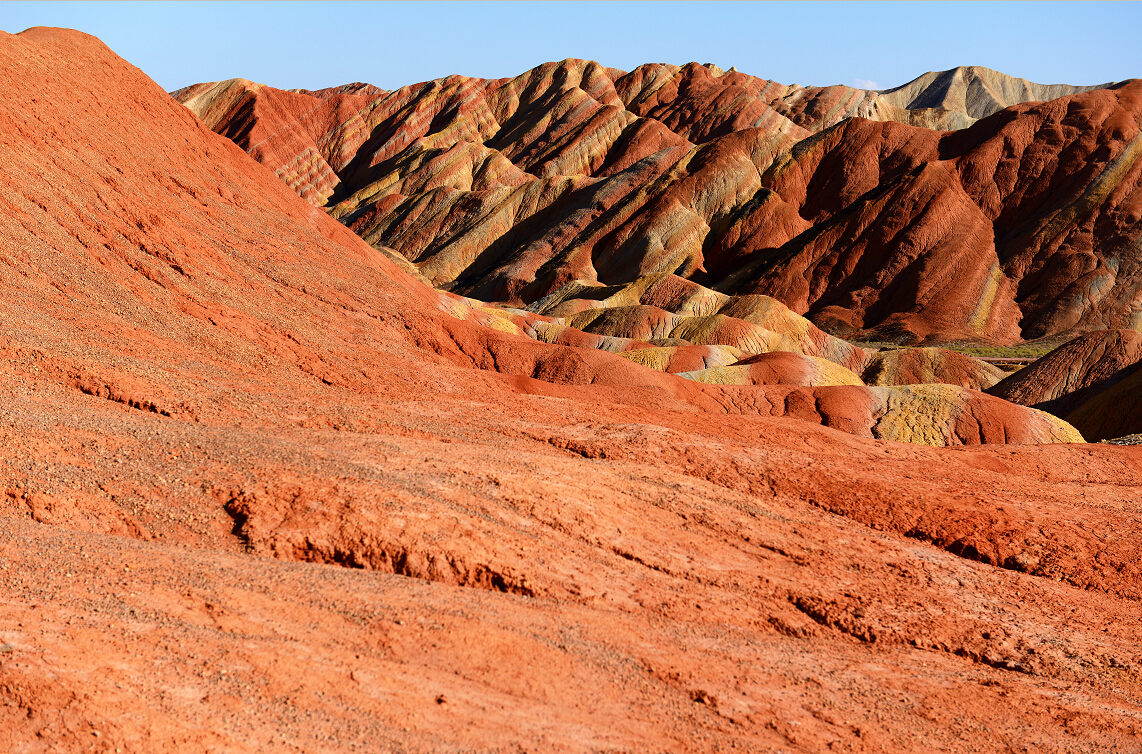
1018	220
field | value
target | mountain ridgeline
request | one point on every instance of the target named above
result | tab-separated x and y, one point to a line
957	206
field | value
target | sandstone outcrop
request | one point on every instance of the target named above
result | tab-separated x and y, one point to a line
1073	372
975	91
917	366
844	205
1091	381
1113	411
262	490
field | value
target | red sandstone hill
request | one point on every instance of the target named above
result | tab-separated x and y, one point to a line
1113	411
1092	362
262	490
1092	378
836	202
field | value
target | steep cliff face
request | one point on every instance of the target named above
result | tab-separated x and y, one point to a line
845	205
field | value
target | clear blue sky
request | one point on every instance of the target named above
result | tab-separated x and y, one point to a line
390	44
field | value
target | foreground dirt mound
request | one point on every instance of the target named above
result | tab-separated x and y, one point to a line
262	491
507	190
917	366
937	415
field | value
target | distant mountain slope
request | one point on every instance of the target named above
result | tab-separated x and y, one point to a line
839	203
975	91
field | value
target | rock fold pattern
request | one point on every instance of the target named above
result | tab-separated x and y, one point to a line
1019	220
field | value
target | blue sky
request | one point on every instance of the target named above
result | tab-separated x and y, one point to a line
871	44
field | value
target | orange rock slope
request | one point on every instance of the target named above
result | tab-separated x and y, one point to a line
918	366
841	204
1091	380
262	490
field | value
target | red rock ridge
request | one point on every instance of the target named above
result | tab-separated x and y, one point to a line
1021	226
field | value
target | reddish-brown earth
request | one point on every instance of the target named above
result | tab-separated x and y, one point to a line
844	206
1092	378
917	366
262	491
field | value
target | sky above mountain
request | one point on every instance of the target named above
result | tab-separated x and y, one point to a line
390	44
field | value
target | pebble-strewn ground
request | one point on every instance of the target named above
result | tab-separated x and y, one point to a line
261	490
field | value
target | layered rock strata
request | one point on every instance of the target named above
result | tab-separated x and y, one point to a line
844	206
1090	380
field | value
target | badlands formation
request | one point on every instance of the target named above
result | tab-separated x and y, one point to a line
525	415
1022	226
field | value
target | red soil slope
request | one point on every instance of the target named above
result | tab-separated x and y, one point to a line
1092	379
1074	371
1021	226
205	377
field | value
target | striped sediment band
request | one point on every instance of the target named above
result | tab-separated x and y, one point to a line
811	372
977	323
928	415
